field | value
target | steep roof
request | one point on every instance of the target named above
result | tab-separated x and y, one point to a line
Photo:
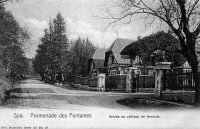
99	57
99	54
117	47
130	49
99	63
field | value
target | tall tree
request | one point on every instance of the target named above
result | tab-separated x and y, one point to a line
61	43
42	61
53	52
81	50
12	38
182	16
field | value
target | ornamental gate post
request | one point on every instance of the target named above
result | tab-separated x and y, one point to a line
101	82
128	78
160	69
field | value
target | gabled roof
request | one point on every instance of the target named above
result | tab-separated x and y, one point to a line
130	49
99	54
98	63
117	47
99	57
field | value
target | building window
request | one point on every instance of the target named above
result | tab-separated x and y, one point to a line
187	70
113	72
125	57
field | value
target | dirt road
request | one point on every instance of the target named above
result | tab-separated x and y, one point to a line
36	94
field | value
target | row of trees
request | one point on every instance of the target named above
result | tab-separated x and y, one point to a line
52	53
57	56
81	51
12	38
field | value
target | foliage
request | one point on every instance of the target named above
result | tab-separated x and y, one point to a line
12	38
157	47
3	1
13	63
55	57
81	50
182	16
52	54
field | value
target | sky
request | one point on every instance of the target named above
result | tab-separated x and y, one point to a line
34	15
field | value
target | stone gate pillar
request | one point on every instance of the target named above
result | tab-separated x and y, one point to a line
101	82
160	69
128	78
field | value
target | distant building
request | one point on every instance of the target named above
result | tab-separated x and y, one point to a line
96	63
131	52
114	61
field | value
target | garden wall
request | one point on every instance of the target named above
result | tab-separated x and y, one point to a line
187	97
146	81
81	80
84	81
116	82
93	82
77	80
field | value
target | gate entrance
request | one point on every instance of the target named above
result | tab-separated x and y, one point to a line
145	81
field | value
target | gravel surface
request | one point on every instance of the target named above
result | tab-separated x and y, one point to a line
36	94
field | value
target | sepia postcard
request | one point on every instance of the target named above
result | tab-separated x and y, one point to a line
99	64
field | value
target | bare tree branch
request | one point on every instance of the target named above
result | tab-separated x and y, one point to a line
197	31
3	1
192	9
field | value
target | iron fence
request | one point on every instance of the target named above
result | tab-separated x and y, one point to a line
145	81
179	81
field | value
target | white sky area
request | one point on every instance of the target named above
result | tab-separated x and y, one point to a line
34	15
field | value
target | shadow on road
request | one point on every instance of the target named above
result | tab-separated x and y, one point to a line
144	103
31	90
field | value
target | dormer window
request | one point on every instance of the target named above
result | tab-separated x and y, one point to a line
125	57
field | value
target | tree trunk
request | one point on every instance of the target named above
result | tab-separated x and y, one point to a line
193	61
197	89
189	52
